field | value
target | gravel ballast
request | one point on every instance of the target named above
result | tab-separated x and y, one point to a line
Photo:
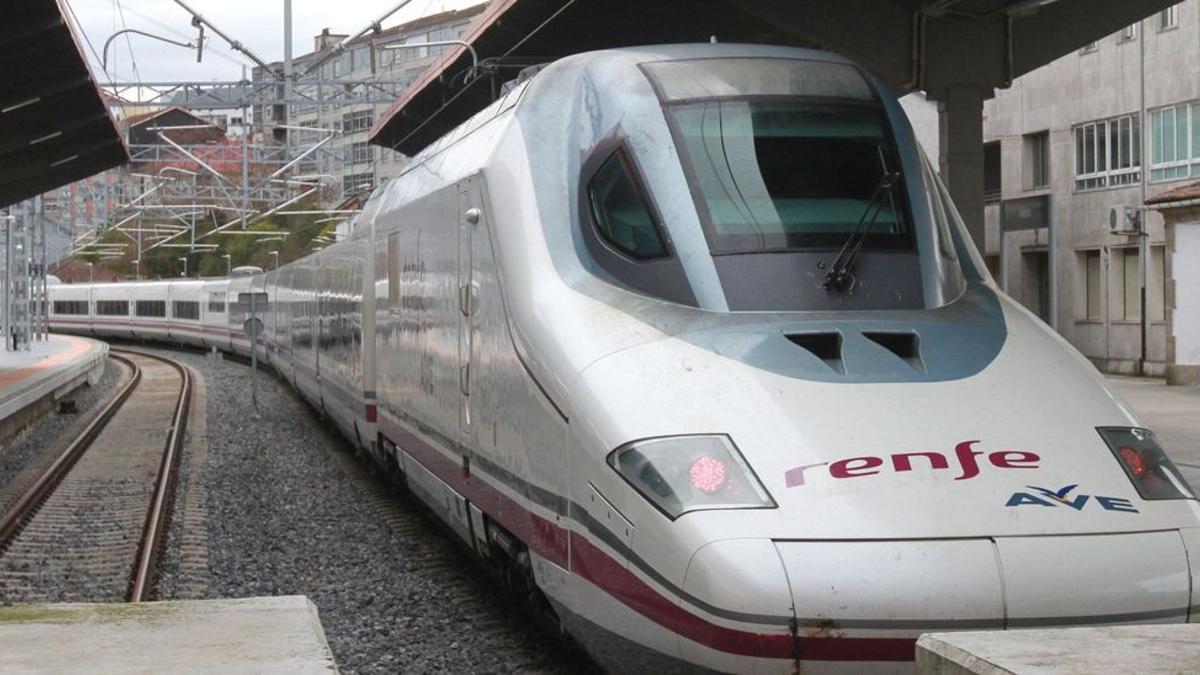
289	510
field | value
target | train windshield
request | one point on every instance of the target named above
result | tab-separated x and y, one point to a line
782	154
774	175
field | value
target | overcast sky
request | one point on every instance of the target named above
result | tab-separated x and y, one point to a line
256	23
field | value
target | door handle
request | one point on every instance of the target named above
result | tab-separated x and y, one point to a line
464	299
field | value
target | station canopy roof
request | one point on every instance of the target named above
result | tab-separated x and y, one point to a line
54	125
911	44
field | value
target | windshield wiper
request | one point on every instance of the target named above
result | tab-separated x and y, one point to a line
840	276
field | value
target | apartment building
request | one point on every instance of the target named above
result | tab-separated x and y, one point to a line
1072	152
357	165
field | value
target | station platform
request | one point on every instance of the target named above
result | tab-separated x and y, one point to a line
1174	415
251	635
32	381
1149	649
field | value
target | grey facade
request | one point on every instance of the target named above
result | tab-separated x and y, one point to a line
357	165
1079	136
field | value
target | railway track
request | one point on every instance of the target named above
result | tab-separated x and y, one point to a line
92	525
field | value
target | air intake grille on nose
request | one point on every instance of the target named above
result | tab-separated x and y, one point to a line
904	345
825	346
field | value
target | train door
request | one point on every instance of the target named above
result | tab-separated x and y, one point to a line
314	317
468	218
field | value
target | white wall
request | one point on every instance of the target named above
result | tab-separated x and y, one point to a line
1186	266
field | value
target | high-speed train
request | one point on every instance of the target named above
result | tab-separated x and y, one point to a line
691	341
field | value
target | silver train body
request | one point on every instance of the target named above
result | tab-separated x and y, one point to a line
603	331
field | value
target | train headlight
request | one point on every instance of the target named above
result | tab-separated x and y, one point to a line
1139	454
679	474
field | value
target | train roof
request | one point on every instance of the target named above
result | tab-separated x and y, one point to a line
540	102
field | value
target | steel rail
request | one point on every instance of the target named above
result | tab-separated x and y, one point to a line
158	517
33	498
157	523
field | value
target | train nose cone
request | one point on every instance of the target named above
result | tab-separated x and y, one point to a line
1099	579
743	608
757	601
868	600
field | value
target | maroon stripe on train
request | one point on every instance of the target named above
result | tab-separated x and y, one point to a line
610	575
541	535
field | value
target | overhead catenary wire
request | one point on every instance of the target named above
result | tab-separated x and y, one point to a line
79	30
198	19
137	76
231	58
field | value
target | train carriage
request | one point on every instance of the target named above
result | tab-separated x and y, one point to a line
150	310
185	300
280	330
214	322
72	306
112	309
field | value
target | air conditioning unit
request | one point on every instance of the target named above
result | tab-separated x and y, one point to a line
1124	220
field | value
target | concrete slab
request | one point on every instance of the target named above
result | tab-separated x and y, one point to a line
1171	648
31	381
260	635
1174	415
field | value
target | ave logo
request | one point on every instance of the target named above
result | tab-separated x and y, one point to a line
1061	497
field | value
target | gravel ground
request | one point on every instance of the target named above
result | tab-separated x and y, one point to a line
49	431
290	512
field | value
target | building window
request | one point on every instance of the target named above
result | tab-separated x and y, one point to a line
1168	18
991	172
357	121
305	137
1093	286
112	308
415	52
359	153
1175	142
358	182
1108	153
153	308
186	309
1037	160
1129	33
71	307
440	35
359	59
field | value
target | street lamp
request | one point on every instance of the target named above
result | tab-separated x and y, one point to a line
274	254
228	265
184	261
